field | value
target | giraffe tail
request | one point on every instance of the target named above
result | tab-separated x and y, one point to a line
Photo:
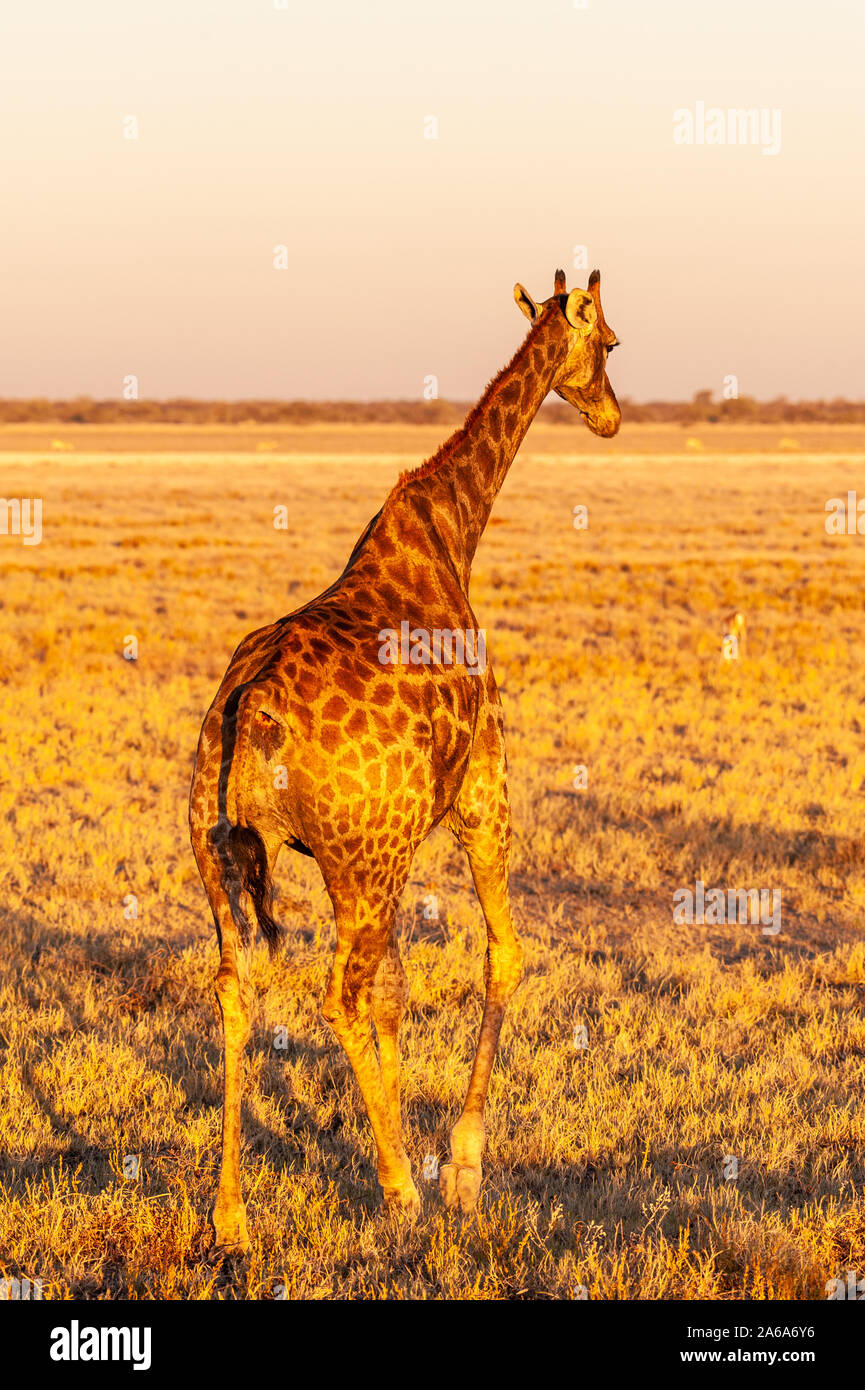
245	850
246	857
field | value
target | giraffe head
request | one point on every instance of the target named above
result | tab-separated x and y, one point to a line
581	379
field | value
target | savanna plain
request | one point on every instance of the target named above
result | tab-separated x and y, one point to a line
677	1111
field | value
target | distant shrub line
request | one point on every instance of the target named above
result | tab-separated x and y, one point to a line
183	410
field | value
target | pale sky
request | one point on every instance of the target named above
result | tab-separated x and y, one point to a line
304	127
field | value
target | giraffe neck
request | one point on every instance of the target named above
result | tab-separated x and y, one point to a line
456	490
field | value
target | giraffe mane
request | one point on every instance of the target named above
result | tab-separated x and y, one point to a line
453	441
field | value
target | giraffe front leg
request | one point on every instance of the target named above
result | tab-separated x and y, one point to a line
349	1007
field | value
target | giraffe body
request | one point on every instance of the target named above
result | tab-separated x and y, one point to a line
317	741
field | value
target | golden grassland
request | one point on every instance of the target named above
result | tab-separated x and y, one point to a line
606	1163
377	439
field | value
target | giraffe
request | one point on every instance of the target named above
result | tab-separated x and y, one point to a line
317	742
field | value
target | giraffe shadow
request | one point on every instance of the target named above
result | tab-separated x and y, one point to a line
105	962
809	847
673	840
37	938
594	1188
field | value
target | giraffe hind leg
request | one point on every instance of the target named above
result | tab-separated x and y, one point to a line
389	996
365	987
234	997
236	872
482	824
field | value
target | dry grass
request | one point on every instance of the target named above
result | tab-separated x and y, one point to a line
605	1163
33	439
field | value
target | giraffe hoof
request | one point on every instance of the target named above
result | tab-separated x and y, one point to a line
232	1238
222	1251
404	1204
460	1185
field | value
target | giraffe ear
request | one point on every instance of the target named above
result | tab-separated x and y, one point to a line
580	312
526	303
